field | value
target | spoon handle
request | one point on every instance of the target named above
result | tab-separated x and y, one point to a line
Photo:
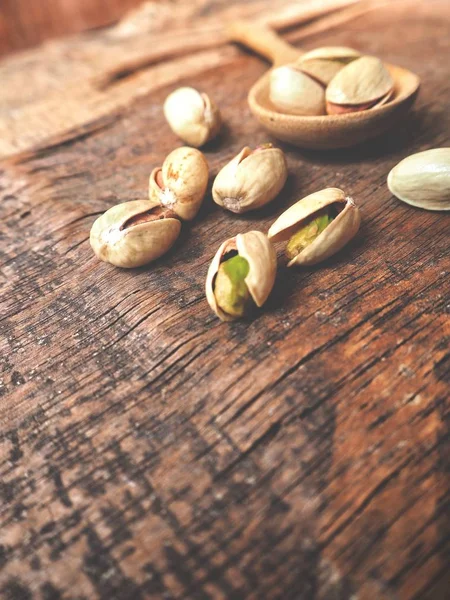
264	41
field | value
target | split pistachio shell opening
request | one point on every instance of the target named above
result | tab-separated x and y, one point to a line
180	184
294	92
251	179
423	179
360	85
134	233
324	63
192	116
327	237
255	248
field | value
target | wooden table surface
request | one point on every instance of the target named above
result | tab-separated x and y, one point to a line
149	451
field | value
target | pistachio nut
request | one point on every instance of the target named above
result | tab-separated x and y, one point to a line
317	226
324	63
295	92
134	233
241	275
364	83
251	179
180	184
423	179
192	116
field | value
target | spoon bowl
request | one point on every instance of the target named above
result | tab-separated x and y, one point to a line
322	132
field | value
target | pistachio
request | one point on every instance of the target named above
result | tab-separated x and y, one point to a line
230	290
317	226
241	275
423	179
324	63
364	83
134	233
308	232
180	184
192	116
251	179
295	92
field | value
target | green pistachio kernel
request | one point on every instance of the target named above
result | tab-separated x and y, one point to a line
230	290
307	233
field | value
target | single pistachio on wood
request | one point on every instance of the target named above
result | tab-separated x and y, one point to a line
180	184
423	179
317	226
295	92
241	275
134	233
364	83
251	179
324	63
192	116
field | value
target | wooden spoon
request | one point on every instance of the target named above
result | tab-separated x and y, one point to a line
327	131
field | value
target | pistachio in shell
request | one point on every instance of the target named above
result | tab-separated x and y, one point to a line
317	226
192	115
294	92
241	275
134	233
423	179
180	184
251	179
325	62
231	291
363	84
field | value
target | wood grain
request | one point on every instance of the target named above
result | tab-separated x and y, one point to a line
149	451
24	23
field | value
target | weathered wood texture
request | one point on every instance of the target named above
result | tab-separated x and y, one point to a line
25	23
149	451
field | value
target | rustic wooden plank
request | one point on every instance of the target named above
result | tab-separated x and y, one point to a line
24	24
149	451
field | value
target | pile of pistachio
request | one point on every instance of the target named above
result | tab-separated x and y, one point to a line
242	272
330	80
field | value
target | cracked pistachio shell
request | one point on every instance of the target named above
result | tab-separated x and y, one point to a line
294	92
362	84
423	179
192	116
251	179
324	63
180	184
134	233
334	237
255	247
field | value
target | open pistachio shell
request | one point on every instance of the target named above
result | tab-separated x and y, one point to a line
251	179
334	237
255	247
180	184
363	83
294	92
423	179
134	233
192	115
324	63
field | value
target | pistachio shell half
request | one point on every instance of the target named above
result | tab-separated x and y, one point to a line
251	179
192	116
337	231
259	253
294	92
423	179
180	184
134	233
360	85
324	63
